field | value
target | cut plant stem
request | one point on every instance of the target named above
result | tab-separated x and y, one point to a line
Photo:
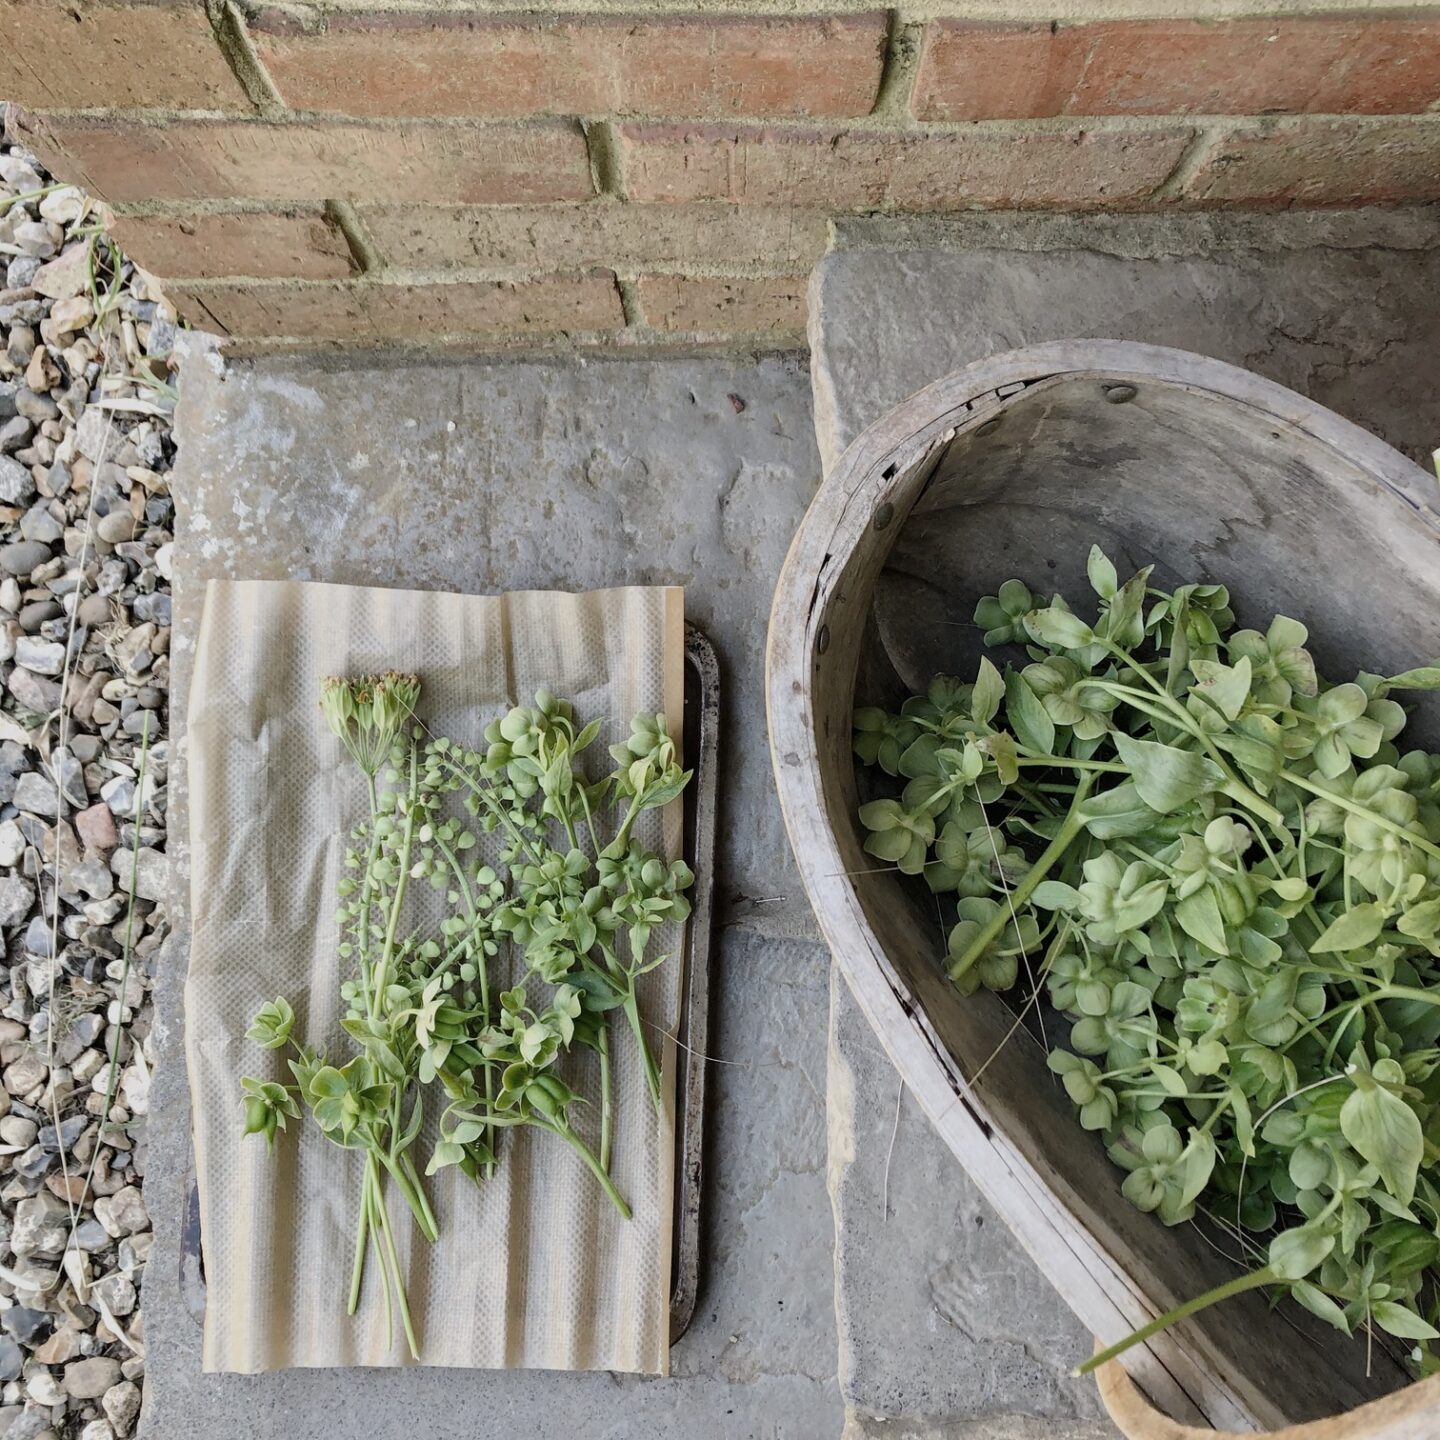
591	1161
1072	825
602	1045
1238	1286
652	1069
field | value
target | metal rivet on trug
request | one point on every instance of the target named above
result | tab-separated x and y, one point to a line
822	640
989	427
1119	394
884	514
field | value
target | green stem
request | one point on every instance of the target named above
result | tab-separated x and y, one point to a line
28	195
482	967
606	1103
1070	828
414	1196
496	809
1365	813
652	1070
362	1234
588	1156
397	903
394	1262
1029	757
1238	1286
367	897
377	1208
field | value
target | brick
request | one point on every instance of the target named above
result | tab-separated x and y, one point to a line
364	312
1340	162
717	66
600	232
1372	64
995	166
268	244
125	161
709	305
58	55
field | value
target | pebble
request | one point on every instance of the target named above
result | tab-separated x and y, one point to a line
20	557
27	1326
118	525
43	1388
96	828
34	692
16	485
40	1226
117	1292
16	898
66	462
121	1404
122	1213
24	1073
63	1345
36	793
152	873
44	657
90	1379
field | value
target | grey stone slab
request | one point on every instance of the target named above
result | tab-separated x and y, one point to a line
946	1326
485	476
1339	307
1345	308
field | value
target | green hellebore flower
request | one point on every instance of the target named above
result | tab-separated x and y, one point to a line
1002	616
1337	729
1063	689
272	1024
999	966
897	835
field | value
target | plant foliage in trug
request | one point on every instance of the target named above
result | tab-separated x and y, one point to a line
571	892
1224	872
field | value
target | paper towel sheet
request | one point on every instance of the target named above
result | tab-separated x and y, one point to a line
535	1268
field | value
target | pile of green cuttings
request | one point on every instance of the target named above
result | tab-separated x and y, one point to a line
1223	871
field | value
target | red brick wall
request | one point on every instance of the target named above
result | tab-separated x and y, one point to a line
339	171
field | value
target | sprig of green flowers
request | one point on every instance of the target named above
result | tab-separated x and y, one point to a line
422	1005
1226	875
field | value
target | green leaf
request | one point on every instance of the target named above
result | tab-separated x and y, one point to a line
1295	1253
1318	1303
1054	895
1117	812
988	692
1030	721
1104	580
1355	927
1426	677
1200	918
1167	778
1226	687
1384	1130
1398	1320
1058	629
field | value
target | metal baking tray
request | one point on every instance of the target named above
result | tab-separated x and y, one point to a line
701	745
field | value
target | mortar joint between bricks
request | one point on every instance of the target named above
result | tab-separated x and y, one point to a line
607	162
363	250
904	42
232	35
1193	158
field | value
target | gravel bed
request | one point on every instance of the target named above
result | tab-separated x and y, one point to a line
85	450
